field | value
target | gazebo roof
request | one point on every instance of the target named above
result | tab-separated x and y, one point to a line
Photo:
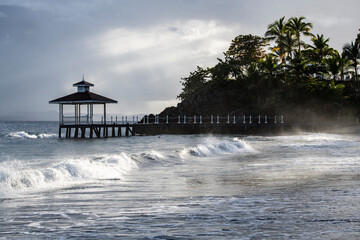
82	97
83	83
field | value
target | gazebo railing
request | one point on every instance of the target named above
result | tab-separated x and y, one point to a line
72	120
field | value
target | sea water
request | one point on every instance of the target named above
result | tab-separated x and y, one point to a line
296	186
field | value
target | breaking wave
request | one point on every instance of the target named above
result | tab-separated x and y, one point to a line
23	134
15	177
213	147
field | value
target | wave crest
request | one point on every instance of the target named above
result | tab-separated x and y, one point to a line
213	147
23	134
72	171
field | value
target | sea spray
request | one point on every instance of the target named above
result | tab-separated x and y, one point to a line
213	146
16	178
26	135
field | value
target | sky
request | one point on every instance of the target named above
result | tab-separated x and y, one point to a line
134	51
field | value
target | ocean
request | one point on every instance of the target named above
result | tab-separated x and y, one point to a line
295	186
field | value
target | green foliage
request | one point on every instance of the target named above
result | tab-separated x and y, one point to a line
292	74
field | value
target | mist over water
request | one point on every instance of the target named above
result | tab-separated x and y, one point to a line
178	186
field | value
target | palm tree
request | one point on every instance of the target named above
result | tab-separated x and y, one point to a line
352	52
289	43
298	27
276	31
337	64
321	47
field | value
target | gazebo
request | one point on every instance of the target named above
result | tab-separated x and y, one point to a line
83	96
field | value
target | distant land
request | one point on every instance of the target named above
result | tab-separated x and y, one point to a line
279	74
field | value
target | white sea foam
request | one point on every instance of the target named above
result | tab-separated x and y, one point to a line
14	177
212	146
23	134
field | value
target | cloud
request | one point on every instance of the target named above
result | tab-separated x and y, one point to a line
135	51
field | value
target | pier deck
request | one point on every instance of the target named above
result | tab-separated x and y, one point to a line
132	129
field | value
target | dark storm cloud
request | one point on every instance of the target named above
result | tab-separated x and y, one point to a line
135	51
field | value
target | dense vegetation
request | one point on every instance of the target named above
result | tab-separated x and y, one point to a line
276	74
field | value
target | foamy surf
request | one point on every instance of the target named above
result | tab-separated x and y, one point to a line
15	178
213	146
26	135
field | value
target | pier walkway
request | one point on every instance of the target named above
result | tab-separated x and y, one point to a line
155	125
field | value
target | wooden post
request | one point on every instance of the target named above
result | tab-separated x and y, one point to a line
228	120
59	132
104	113
75	114
266	119
83	131
184	119
91	132
76	134
217	119
127	130
212	119
244	119
234	119
167	119
200	119
119	131
275	119
259	119
194	118
250	120
178	118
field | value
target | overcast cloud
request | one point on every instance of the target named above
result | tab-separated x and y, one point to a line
135	51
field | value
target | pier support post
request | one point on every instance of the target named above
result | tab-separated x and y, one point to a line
76	134
282	118
119	131
244	119
83	131
200	119
167	119
250	120
184	119
212	119
234	119
217	119
59	132
266	119
275	119
259	119
194	118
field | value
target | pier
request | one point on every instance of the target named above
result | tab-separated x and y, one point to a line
81	124
155	125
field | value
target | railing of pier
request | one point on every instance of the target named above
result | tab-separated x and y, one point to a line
196	119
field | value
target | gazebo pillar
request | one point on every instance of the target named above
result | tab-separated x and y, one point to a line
61	114
104	113
76	114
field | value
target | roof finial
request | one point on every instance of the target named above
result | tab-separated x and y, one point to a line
83	77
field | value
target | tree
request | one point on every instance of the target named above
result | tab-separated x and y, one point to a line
245	50
276	31
336	65
352	52
320	48
192	83
297	26
289	43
